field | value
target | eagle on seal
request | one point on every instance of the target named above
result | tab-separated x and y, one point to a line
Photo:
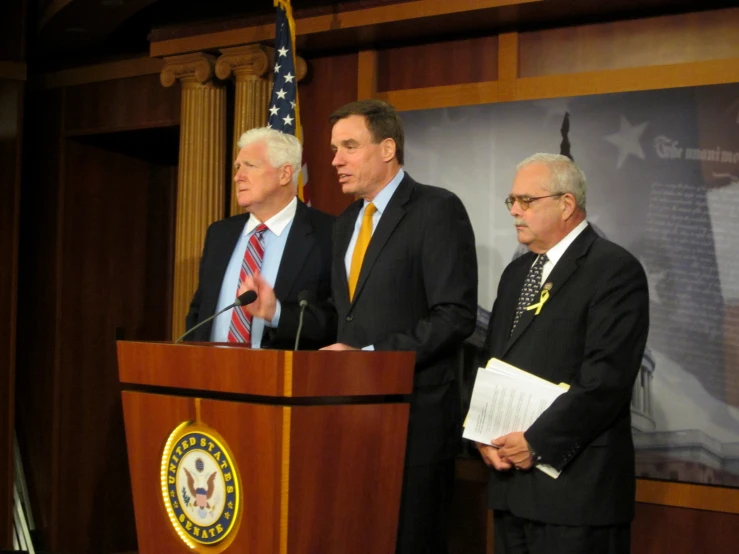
201	493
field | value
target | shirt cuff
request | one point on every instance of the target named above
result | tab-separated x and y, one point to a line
370	348
275	322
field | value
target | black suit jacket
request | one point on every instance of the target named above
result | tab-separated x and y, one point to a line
417	291
591	334
305	265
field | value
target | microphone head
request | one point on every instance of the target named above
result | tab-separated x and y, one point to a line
247	298
304	298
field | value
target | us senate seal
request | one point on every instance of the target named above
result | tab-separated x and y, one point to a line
200	487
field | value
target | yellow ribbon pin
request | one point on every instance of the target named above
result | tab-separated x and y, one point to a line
538	306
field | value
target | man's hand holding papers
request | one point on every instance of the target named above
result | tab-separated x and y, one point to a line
505	401
491	457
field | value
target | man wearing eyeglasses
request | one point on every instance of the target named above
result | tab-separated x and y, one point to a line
574	310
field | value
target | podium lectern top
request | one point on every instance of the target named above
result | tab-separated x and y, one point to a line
236	369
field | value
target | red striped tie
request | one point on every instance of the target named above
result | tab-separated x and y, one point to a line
240	328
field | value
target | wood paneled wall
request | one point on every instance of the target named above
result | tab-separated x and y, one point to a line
656	41
330	83
669	530
37	383
107	106
12	88
11	108
444	63
96	262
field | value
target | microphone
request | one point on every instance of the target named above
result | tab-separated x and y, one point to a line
304	298
242	300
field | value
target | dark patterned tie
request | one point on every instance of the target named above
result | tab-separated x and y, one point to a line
240	328
531	286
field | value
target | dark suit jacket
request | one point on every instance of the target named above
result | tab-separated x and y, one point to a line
305	265
417	291
591	334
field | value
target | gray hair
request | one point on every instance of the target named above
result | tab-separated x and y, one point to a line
564	175
281	148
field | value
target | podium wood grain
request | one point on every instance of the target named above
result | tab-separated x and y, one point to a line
315	476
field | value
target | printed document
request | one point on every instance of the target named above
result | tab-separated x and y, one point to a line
507	399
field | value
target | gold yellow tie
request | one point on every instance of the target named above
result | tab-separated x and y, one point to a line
363	239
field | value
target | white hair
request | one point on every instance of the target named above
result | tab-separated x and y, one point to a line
281	148
564	175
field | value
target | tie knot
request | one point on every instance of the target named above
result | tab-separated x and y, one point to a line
542	260
261	228
370	210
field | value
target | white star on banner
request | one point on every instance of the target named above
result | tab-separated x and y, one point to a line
281	94
274	110
287	119
282	51
289	78
292	103
627	140
277	68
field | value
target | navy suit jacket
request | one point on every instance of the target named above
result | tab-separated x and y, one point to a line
591	333
305	266
417	291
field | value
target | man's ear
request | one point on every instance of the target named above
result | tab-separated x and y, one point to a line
570	205
286	174
387	147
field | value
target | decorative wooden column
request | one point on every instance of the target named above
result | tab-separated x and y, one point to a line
251	65
202	173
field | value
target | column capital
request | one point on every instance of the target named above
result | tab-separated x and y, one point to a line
255	60
189	68
301	67
251	60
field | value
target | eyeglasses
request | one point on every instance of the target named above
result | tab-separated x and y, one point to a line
524	201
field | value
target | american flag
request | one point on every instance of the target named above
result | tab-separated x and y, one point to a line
284	112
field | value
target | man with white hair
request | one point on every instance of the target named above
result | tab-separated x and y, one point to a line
574	310
279	244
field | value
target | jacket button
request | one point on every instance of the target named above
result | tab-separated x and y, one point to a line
350	318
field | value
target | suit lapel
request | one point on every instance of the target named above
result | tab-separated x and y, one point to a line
564	269
394	212
297	247
222	249
232	233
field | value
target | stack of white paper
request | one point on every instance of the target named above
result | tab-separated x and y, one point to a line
507	399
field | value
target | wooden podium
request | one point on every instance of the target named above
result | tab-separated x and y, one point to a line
310	445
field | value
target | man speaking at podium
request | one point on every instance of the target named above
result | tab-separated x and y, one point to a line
280	244
405	278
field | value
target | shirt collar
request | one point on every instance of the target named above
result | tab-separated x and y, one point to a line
277	222
558	250
383	197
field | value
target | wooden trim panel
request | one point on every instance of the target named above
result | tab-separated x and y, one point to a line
442	96
687	495
101	72
577	84
648	491
353	19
